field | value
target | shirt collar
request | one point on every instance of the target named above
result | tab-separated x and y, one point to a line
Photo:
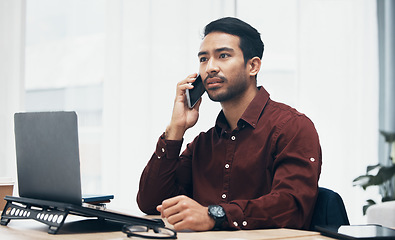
250	116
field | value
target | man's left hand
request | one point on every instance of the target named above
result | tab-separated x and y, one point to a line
185	213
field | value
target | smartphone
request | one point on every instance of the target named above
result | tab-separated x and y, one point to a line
194	94
358	232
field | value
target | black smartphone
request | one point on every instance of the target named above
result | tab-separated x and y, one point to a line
193	95
358	232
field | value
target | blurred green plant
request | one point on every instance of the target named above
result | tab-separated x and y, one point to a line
383	178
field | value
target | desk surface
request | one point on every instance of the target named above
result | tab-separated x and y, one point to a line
82	228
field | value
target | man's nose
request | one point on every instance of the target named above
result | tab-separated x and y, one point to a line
212	66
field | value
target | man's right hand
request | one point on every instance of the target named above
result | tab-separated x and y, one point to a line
183	117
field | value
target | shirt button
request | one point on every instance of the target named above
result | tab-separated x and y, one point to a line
226	166
233	138
312	159
163	150
223	196
158	157
244	223
235	223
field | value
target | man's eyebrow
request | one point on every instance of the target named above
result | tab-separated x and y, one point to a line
223	49
201	53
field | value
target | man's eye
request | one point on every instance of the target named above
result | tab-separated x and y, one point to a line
223	55
202	59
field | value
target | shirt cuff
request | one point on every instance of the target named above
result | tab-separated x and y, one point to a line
168	148
235	217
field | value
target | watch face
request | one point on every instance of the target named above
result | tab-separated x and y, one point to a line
217	211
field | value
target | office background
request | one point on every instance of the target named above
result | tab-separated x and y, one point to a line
117	62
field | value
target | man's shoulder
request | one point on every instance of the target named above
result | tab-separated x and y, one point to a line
282	115
282	108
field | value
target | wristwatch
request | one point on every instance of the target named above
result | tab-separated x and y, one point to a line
217	212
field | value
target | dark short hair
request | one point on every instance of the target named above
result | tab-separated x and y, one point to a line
250	39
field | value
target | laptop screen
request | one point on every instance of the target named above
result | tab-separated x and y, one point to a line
47	156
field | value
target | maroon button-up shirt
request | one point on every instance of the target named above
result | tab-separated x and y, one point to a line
264	173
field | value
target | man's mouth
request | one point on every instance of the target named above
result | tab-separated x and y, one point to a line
213	82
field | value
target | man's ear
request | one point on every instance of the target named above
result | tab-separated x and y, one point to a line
254	65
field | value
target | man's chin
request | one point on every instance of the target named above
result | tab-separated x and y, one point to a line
218	97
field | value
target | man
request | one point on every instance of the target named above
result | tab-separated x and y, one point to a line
258	167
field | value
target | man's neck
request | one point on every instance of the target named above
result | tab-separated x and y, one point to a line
235	108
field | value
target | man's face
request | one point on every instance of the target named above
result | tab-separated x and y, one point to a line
222	66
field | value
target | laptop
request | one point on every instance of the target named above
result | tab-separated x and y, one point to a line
48	166
47	153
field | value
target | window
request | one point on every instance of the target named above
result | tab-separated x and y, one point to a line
64	70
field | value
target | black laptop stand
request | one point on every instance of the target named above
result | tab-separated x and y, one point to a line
19	208
54	213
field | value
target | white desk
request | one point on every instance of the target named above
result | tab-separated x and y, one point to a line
81	228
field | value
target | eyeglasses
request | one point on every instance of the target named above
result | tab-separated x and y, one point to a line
148	232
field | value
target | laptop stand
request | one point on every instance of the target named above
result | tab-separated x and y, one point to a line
54	214
19	209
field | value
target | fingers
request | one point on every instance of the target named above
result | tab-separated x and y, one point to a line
190	78
159	209
176	219
185	84
171	206
185	213
183	117
182	86
197	105
168	210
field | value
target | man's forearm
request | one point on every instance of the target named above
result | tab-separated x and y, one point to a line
158	180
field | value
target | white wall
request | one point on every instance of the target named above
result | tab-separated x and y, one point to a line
12	15
339	90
